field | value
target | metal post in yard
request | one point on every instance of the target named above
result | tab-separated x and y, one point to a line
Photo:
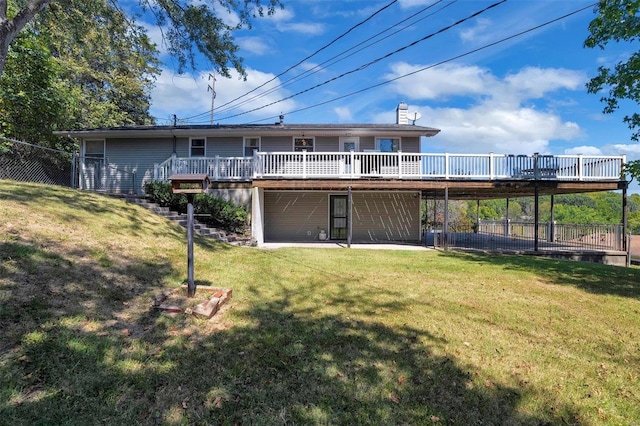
190	184
191	286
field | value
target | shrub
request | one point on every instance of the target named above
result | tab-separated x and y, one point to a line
161	193
221	213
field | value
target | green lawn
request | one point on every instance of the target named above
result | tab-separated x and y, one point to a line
311	336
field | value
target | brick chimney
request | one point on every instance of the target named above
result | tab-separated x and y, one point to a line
402	113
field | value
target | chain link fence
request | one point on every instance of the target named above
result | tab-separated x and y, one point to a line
25	162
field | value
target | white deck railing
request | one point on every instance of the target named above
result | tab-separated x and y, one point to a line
218	168
398	165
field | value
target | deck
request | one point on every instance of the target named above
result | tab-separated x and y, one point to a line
399	165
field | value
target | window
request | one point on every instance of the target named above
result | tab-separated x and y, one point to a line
250	145
302	144
388	144
197	148
94	149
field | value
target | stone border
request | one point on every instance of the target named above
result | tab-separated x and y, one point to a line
207	309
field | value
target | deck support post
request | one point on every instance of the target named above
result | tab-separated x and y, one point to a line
536	220
625	244
506	219
445	228
552	221
349	212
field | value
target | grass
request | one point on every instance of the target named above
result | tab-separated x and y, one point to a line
311	336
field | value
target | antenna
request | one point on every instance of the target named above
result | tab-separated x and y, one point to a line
212	88
414	116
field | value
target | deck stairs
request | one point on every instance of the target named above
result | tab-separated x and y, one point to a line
199	227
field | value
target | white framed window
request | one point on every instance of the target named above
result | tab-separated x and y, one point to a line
388	144
303	144
250	145
94	149
197	147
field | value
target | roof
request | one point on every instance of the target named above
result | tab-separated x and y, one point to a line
253	130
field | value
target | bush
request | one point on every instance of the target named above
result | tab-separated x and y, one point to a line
161	193
222	214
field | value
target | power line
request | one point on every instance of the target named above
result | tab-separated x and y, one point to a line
368	64
342	54
453	58
306	58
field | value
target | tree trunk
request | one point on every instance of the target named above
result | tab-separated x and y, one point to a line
9	28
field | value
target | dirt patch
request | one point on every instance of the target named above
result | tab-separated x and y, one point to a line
205	303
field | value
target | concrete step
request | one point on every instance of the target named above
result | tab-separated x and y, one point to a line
199	228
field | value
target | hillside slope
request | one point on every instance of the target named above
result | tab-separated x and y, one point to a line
68	252
311	336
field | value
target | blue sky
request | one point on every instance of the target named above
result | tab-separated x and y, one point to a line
521	96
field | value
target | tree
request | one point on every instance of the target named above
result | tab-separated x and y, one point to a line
84	65
32	100
617	21
107	62
188	26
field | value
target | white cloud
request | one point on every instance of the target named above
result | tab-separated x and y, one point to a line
284	22
254	45
186	96
534	82
479	33
228	16
154	32
487	129
343	113
407	4
500	116
281	15
308	28
471	81
584	150
442	81
632	150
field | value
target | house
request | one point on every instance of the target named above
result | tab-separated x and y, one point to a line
315	182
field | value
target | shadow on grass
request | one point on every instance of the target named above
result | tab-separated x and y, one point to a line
592	277
82	355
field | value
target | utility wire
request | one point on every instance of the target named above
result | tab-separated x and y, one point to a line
368	64
453	58
337	58
307	57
